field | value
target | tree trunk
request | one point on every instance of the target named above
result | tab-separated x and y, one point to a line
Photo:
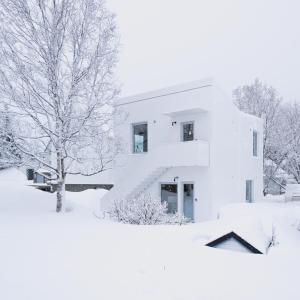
60	196
61	184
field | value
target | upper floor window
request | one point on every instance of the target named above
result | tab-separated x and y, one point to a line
187	131
255	143
140	138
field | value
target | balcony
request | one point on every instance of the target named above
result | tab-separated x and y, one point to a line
181	154
168	155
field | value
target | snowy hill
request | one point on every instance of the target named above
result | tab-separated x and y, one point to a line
76	256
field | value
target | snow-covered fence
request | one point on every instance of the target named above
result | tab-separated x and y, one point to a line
292	192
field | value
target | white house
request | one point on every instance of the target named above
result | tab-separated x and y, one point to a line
190	146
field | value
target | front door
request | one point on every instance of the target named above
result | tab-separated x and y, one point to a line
188	200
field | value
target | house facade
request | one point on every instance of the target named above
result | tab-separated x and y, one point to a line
189	146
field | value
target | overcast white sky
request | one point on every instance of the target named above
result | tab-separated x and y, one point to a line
166	42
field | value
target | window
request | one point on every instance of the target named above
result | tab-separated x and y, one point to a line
30	174
187	131
249	191
140	138
39	178
255	141
169	195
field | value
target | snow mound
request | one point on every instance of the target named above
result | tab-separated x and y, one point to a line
17	196
13	175
87	199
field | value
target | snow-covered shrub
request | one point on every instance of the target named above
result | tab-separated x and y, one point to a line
143	210
177	218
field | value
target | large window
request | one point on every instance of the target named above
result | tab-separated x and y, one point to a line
169	195
255	143
140	138
249	191
187	131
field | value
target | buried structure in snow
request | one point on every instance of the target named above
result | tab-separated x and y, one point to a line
246	235
232	241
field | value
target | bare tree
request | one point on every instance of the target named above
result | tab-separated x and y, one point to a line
291	137
56	76
9	154
264	102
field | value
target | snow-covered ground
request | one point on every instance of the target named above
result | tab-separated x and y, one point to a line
74	255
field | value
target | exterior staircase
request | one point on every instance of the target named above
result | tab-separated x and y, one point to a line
147	182
129	188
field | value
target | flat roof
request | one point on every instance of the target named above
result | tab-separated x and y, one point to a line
171	90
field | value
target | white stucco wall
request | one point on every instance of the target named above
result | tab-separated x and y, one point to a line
231	157
218	179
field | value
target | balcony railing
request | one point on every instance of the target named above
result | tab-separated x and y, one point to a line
179	154
182	154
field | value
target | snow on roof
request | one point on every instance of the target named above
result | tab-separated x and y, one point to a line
42	171
194	85
233	242
248	229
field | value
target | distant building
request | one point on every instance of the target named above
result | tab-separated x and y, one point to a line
292	192
44	180
275	185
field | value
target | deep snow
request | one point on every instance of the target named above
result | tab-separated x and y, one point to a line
77	256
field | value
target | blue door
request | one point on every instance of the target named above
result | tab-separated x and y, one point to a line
188	200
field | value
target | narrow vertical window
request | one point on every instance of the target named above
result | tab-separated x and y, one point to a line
249	191
187	131
140	138
255	141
